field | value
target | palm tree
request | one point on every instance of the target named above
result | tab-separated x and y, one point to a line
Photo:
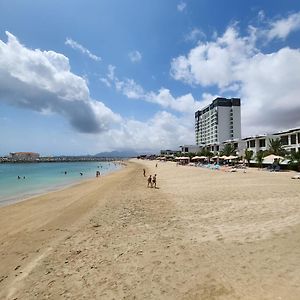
276	147
295	160
228	150
248	155
190	155
259	158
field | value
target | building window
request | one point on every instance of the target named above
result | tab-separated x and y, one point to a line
262	143
252	143
293	139
299	138
284	140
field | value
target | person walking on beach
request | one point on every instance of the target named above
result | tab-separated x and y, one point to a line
154	181
144	172
149	181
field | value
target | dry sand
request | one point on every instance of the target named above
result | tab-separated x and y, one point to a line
201	235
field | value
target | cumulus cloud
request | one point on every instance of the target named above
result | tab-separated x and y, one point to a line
42	81
268	83
162	131
213	62
181	6
75	45
135	56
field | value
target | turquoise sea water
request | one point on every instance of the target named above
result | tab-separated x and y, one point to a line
43	177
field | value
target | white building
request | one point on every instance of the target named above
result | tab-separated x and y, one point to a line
257	143
290	140
189	149
218	122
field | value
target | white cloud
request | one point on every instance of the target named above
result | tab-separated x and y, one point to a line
270	90
105	81
135	56
75	45
283	27
195	35
162	131
181	6
213	62
127	86
261	15
132	90
268	84
42	81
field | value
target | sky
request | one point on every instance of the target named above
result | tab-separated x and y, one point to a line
82	77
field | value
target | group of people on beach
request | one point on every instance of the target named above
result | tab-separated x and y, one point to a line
151	179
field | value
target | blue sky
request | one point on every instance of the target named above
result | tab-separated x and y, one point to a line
80	77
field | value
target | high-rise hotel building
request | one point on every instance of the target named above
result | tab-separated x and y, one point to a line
218	122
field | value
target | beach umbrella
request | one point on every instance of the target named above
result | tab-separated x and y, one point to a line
184	158
224	157
270	158
196	157
232	157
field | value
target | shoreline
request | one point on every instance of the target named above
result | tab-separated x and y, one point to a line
40	193
57	187
200	235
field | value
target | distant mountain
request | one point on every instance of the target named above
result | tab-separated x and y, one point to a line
125	154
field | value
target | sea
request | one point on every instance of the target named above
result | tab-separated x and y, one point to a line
19	181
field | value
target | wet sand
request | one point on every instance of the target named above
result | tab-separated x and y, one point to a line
201	235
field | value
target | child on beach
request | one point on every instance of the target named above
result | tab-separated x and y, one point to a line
144	171
149	181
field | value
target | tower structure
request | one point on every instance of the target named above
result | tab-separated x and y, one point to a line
218	122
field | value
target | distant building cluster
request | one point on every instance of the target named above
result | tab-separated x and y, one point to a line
24	155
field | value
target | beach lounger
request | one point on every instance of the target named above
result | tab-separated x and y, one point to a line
297	176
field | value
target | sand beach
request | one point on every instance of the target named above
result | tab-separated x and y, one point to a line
201	234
